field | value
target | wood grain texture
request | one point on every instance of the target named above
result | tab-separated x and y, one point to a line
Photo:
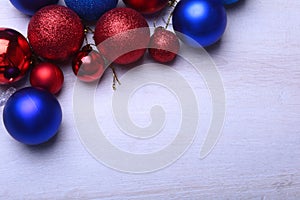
257	157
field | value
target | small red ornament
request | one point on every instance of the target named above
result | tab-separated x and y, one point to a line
119	31
88	65
55	33
164	45
15	56
146	6
47	76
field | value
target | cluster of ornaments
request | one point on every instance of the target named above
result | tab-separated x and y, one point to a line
122	36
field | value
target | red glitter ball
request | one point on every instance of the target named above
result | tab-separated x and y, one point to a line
47	76
164	45
15	56
55	33
88	65
146	6
122	35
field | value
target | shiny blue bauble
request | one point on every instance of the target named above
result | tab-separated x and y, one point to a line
228	2
204	21
29	7
32	116
91	10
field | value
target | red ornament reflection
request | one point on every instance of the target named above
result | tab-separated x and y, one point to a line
88	65
146	6
47	76
15	56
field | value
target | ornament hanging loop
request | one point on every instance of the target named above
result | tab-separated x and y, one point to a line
115	78
172	4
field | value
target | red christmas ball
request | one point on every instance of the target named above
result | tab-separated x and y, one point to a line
55	33
164	45
146	6
47	76
15	56
122	35
88	65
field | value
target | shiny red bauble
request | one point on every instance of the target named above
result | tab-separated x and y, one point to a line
55	33
164	45
122	35
47	76
88	65
146	6
15	56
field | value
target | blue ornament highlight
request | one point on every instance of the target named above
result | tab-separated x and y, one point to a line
204	21
91	10
32	116
29	7
228	2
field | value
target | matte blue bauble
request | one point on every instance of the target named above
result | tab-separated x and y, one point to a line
228	2
29	7
202	20
91	10
32	116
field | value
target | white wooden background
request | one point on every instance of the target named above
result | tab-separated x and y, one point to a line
257	157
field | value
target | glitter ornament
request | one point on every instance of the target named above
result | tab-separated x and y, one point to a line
55	33
91	10
15	56
32	116
164	45
119	31
88	65
146	6
204	21
29	7
47	76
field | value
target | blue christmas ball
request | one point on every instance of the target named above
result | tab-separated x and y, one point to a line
32	116
204	21
91	10
228	2
29	7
